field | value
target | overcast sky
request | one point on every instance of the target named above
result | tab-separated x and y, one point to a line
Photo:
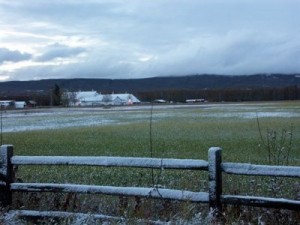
41	39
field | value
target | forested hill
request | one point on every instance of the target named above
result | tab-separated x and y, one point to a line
193	82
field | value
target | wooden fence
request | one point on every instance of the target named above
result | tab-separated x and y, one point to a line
214	197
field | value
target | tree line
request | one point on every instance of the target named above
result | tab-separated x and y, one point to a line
225	94
54	97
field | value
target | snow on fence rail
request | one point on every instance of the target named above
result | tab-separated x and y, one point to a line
112	162
159	193
214	166
261	170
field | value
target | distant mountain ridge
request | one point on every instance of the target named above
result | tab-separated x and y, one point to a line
191	82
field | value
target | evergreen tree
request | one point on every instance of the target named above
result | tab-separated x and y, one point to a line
56	95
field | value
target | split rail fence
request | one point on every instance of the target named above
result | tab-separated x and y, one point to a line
214	197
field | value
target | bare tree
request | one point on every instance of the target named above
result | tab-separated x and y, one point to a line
69	98
107	99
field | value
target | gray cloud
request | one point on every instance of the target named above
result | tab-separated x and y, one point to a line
59	51
236	53
133	38
7	55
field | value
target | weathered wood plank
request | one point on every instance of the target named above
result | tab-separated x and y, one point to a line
215	179
261	202
158	193
155	163
6	168
7	174
261	170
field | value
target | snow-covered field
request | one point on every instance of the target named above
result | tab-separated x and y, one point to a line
56	118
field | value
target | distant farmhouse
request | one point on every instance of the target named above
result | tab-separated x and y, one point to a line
7	103
93	98
12	104
195	100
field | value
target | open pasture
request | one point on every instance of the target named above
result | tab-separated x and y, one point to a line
170	131
178	131
161	131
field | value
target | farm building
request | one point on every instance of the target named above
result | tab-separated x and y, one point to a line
195	100
12	104
159	101
7	103
93	98
31	103
20	104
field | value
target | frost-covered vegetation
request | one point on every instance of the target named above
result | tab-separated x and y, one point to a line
177	132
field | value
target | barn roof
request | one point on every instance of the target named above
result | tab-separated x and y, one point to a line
94	96
125	97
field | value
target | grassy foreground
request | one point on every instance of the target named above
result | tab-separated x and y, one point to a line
176	133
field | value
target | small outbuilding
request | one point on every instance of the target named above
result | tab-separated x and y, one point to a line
7	103
31	103
161	101
20	105
195	100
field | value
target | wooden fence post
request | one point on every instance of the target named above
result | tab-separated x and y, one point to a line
6	174
215	180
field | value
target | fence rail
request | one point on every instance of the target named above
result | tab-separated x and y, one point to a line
214	166
159	193
261	170
154	163
261	201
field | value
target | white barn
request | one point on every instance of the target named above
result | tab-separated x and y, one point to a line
124	99
7	103
93	98
20	104
88	98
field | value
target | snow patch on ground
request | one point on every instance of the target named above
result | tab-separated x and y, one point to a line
58	118
252	115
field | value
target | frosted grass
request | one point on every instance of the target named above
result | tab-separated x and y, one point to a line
39	122
252	115
17	121
58	118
